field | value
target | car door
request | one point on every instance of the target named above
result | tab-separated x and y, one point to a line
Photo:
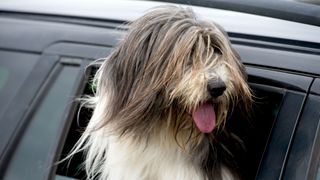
35	144
276	75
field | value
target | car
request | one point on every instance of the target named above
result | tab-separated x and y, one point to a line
46	48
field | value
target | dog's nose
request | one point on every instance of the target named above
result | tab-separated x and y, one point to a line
216	87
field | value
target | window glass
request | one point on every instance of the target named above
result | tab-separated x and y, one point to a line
31	160
14	69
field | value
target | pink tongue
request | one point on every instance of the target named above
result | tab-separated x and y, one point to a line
205	117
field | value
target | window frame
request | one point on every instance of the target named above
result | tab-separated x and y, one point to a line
78	90
294	89
303	161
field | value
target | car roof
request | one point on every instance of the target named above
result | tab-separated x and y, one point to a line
122	10
304	11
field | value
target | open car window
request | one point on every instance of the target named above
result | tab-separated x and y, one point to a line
254	132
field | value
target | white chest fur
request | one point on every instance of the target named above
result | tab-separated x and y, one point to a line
156	161
159	158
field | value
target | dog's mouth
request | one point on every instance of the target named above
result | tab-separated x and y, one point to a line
204	117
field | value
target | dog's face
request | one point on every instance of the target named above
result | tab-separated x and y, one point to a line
207	87
171	71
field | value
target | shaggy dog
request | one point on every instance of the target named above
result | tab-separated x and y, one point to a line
162	100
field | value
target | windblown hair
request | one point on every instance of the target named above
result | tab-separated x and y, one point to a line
146	89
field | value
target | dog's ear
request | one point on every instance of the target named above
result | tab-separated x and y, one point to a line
133	94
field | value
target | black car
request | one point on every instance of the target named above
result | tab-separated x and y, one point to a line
45	47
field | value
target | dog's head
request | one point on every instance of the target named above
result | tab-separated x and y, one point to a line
172	70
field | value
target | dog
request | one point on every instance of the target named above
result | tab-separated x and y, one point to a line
162	100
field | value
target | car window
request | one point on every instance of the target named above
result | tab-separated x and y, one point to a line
254	132
31	159
73	167
14	69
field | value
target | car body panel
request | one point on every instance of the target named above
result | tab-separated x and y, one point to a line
18	34
271	57
13	120
121	10
280	79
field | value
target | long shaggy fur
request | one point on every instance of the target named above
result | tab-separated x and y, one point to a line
141	128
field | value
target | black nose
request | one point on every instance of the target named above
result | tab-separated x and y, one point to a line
216	87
